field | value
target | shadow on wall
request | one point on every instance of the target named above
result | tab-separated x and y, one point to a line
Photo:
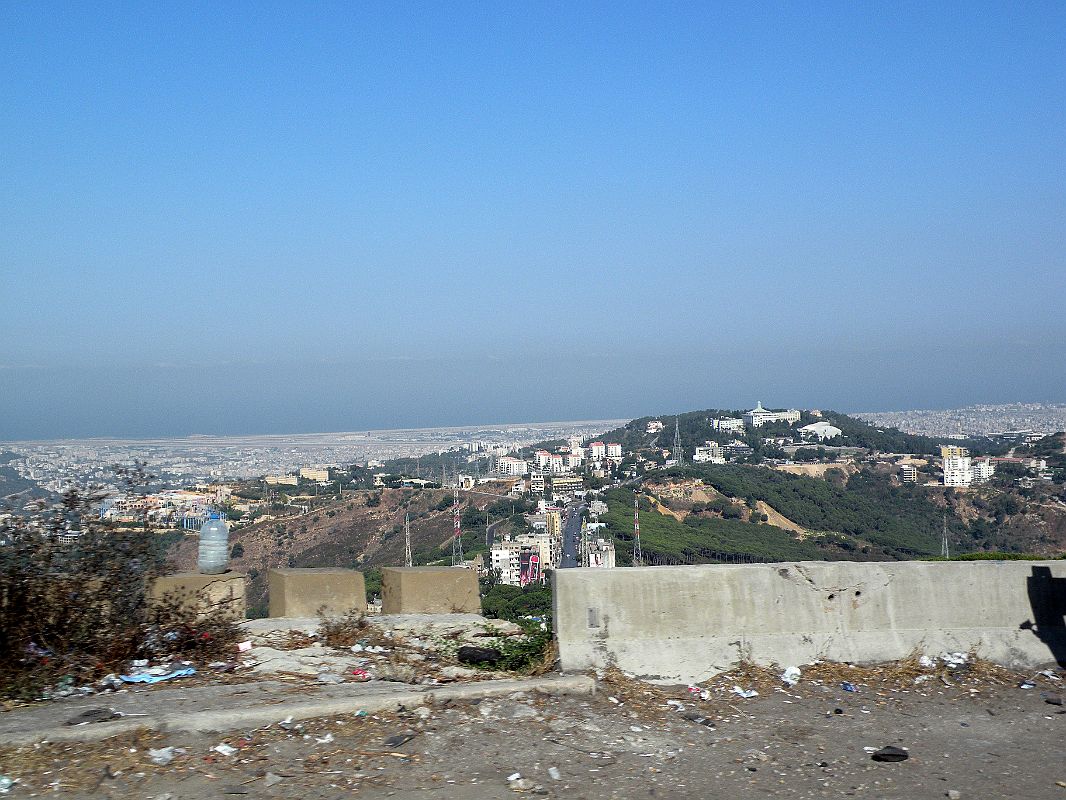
1047	599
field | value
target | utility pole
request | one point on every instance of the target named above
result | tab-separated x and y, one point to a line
638	556
457	541
677	443
945	550
408	560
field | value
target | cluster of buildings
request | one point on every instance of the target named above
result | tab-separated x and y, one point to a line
172	508
523	559
960	469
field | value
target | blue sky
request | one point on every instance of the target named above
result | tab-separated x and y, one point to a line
278	217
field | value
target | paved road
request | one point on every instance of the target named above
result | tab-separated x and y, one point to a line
571	534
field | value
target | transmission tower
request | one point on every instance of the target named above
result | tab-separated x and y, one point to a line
945	550
457	541
408	560
677	442
638	557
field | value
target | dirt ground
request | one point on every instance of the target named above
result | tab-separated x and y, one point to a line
980	739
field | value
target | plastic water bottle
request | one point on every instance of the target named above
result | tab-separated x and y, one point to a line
213	558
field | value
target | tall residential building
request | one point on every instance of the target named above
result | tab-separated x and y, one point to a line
614	450
600	553
728	424
597	451
983	470
908	473
314	474
509	465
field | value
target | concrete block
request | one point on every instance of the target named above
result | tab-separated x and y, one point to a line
429	590
304	592
674	624
204	593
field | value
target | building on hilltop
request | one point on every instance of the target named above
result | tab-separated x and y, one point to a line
734	424
760	416
958	468
820	430
908	473
711	453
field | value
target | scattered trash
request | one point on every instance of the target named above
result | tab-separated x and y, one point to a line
164	755
400	738
838	711
677	704
514	777
360	675
1026	685
150	677
94	715
847	686
520	784
1047	673
554	774
1051	699
699	719
635	728
703	693
244	647
222	666
790	676
139	662
922	679
487	656
111	682
6	783
745	693
927	662
890	754
953	794
327	739
270	779
224	749
954	659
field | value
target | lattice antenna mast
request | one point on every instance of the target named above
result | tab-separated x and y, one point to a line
408	559
638	556
457	541
678	456
945	550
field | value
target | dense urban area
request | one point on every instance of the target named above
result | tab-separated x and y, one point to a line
515	502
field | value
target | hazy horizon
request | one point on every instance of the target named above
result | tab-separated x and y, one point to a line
290	218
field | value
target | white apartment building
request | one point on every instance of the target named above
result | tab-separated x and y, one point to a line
573	461
600	554
509	465
541	458
727	424
314	474
614	450
760	416
597	451
556	464
655	426
958	469
983	470
711	453
536	484
908	473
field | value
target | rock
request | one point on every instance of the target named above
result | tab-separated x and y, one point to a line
330	677
400	673
98	715
456	673
890	754
953	794
489	656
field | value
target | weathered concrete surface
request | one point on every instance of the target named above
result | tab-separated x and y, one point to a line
248	705
429	590
303	592
204	592
687	623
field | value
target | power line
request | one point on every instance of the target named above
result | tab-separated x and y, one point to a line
638	557
408	560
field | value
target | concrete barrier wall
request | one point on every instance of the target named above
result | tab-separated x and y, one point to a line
686	623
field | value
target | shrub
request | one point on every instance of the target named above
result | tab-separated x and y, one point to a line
74	600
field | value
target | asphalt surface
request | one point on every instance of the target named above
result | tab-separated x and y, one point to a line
571	534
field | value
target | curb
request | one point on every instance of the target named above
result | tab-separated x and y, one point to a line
257	716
